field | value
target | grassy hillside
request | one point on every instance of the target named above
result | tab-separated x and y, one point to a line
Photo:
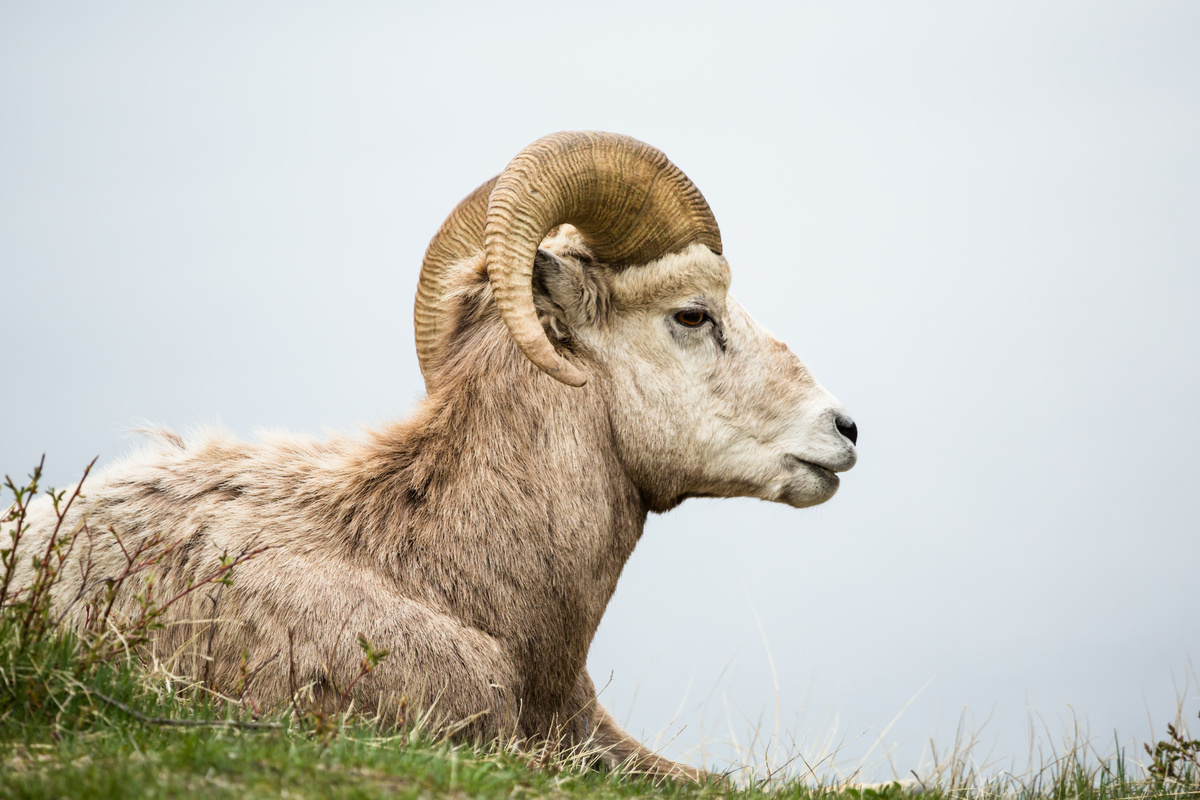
81	716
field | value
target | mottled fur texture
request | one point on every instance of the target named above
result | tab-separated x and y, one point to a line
479	540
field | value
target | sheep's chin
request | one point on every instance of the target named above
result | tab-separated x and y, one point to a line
808	484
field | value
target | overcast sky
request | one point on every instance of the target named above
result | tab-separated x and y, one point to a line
979	224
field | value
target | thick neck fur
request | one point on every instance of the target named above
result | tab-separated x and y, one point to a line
501	501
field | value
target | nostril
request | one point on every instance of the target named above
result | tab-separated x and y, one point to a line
847	428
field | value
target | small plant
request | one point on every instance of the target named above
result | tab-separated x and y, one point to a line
1175	759
324	727
28	607
56	673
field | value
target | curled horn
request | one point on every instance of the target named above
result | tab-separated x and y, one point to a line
459	237
628	201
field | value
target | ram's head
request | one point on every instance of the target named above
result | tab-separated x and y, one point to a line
606	265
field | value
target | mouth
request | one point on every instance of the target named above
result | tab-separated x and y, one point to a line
824	472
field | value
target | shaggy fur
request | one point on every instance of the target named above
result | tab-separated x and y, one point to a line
480	540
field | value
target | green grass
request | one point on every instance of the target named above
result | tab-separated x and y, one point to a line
125	760
114	756
81	717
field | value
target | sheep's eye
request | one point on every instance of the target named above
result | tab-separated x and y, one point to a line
691	318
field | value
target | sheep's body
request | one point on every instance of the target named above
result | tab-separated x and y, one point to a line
438	537
480	540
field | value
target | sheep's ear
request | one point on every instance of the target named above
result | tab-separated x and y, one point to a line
564	291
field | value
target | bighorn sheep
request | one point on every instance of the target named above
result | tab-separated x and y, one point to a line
585	366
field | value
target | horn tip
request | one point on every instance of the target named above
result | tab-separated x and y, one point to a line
567	373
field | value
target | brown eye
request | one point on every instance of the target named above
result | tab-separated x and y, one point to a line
691	318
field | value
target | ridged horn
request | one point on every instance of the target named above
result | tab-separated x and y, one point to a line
460	236
629	202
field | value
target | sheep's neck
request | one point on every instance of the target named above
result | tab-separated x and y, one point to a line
522	519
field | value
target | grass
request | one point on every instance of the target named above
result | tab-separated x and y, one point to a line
125	760
81	716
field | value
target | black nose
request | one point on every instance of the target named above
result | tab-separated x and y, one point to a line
847	428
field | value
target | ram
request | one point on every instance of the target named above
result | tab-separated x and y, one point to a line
585	366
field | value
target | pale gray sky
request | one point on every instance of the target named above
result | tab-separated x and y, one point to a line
978	223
